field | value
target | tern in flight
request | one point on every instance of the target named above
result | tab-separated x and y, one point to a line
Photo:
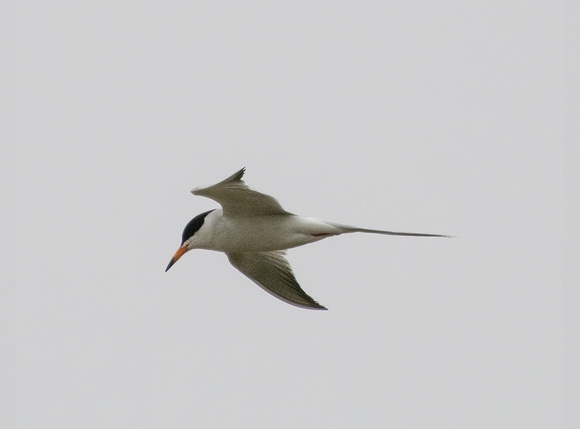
254	231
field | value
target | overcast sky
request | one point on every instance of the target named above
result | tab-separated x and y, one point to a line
433	116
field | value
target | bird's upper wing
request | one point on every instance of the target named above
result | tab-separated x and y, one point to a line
273	273
237	199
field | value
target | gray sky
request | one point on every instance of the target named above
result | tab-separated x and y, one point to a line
441	117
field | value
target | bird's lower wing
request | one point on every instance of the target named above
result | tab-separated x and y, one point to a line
273	273
237	199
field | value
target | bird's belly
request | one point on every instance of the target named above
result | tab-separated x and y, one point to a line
261	234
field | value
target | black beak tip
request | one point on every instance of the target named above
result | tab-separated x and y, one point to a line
170	264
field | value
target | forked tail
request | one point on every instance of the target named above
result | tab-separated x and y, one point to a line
347	229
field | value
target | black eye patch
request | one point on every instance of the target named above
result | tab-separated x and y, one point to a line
193	226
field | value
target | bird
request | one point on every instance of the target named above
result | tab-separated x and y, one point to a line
254	232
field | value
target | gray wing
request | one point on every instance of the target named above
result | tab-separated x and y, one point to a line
237	199
273	273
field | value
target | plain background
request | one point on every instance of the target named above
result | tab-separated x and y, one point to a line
441	117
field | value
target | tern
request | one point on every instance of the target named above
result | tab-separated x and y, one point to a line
254	231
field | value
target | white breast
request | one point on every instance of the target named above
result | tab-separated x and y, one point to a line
260	233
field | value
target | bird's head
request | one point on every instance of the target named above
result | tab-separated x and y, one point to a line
187	238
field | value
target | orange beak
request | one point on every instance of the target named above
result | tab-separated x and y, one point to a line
180	252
